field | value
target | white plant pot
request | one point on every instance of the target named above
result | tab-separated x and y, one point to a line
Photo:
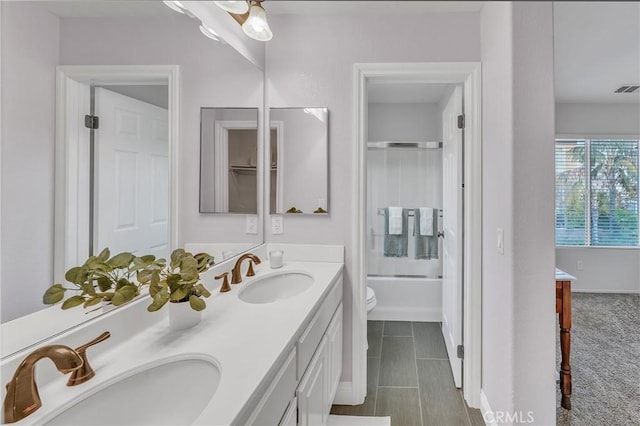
181	316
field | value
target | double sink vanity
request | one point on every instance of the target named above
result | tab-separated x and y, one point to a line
267	352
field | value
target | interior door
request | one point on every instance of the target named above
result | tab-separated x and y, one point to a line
131	211
452	166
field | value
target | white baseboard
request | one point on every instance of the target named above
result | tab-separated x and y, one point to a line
344	394
604	290
384	313
485	408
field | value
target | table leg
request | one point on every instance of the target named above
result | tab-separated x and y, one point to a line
565	345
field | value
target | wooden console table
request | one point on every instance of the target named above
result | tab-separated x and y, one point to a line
563	309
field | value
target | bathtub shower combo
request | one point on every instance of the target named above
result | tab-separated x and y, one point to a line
404	222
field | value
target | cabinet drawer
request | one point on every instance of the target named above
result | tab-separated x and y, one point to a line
272	406
310	339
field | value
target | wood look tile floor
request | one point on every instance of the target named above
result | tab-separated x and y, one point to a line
409	378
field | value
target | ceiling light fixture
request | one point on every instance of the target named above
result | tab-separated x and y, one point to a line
175	5
237	7
210	33
256	25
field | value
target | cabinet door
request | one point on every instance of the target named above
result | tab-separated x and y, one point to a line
290	417
276	398
312	392
334	350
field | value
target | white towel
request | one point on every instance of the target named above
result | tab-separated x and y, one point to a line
395	220
426	221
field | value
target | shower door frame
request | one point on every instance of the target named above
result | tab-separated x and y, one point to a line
468	75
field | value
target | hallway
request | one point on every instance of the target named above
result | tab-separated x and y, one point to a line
409	378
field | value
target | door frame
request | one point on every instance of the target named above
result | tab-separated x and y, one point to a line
469	75
71	212
221	159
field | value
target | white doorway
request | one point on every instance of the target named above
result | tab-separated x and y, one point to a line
467	319
72	235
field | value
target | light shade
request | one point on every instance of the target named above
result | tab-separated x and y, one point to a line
237	7
175	5
208	32
256	25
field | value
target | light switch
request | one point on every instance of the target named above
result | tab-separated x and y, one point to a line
277	226
500	240
251	224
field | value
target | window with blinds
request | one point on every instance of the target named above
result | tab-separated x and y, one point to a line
597	192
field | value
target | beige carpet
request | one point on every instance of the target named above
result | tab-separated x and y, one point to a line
605	366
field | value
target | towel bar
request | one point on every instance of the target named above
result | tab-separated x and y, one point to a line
381	212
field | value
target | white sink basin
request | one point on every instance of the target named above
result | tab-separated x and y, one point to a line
274	287
172	393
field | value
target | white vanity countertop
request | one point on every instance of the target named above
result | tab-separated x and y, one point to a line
245	339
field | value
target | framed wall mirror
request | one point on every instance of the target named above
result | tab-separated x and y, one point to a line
299	154
55	50
229	160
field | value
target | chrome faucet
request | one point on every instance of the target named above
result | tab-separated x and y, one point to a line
22	396
236	272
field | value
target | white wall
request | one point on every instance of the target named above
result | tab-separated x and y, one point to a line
518	359
403	122
212	75
497	192
604	269
310	62
534	197
29	57
597	119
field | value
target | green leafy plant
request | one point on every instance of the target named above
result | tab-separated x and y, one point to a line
177	282
294	209
100	279
320	210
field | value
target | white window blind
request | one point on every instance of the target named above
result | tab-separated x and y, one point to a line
571	188
597	192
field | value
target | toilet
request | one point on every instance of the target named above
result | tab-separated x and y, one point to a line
371	299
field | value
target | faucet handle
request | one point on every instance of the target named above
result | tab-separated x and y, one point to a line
85	372
225	283
250	271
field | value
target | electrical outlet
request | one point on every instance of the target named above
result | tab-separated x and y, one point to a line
579	265
500	240
277	225
251	224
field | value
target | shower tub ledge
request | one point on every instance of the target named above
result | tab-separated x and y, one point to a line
406	299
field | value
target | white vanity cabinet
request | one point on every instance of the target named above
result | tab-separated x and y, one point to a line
303	389
319	384
313	390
